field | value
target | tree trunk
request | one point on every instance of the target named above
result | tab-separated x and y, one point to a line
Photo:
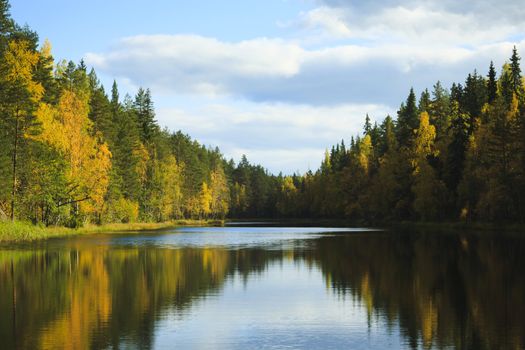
15	150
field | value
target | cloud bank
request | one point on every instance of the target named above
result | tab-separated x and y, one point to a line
341	59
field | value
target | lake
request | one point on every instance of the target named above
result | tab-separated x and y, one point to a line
244	287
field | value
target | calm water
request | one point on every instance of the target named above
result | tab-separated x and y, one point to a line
265	287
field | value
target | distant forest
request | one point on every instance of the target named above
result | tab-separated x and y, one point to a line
71	153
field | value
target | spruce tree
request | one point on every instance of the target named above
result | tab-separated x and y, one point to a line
424	101
456	93
474	97
387	141
460	129
115	104
368	126
146	115
407	120
492	84
7	24
99	109
515	72
439	110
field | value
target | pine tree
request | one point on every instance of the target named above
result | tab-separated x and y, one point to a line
424	101
515	72
44	74
407	120
129	155
474	97
7	25
456	93
492	85
388	142
146	115
368	126
460	129
439	110
507	85
115	104
99	110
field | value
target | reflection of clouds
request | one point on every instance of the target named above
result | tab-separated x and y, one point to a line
234	237
285	306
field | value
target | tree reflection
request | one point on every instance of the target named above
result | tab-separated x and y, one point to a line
457	290
443	290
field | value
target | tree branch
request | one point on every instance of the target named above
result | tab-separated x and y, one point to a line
73	201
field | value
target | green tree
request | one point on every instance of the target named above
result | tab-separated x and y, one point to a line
368	126
492	85
21	97
457	148
146	115
424	101
407	120
515	72
100	110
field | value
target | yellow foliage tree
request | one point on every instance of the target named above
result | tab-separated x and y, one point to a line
286	203
425	137
429	191
365	152
170	199
206	199
67	128
220	193
21	95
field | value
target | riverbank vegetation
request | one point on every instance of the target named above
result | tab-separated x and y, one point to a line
19	231
72	154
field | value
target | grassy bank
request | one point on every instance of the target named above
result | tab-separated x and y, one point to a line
26	232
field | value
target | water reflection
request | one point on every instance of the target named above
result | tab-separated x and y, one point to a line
370	290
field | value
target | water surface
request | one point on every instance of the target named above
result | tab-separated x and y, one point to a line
247	287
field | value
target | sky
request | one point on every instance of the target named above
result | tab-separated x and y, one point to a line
277	80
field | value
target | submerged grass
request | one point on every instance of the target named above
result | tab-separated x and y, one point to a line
19	231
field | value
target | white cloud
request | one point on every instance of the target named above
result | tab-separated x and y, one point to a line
283	71
196	64
283	101
279	136
324	18
418	22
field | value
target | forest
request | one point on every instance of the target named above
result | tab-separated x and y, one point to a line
73	153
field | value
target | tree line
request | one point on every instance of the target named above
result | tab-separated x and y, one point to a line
72	153
454	154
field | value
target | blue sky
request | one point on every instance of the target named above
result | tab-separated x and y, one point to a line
279	80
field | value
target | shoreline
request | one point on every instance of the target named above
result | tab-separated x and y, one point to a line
23	232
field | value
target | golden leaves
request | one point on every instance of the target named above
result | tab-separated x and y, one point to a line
67	129
21	62
205	199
